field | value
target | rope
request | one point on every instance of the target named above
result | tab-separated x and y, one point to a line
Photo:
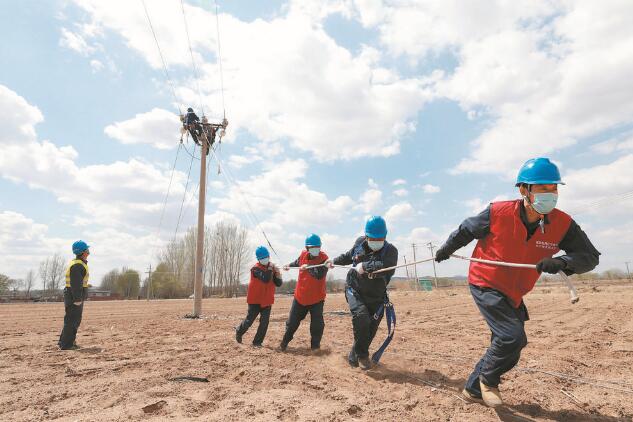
193	62
572	290
229	178
402	265
317	266
217	26
162	59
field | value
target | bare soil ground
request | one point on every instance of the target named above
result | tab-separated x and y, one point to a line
131	350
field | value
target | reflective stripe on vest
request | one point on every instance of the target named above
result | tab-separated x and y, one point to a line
507	242
86	277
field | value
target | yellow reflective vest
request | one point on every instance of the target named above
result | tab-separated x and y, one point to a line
86	277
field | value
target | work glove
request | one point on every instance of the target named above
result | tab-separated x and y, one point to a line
286	267
442	254
329	264
77	303
304	267
359	268
551	265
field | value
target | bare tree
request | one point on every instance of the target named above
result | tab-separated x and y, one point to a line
29	282
52	272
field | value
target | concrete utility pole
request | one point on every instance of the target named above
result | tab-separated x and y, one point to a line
627	270
209	131
432	256
149	281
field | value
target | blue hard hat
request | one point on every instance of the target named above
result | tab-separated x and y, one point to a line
539	171
376	227
313	240
261	252
79	247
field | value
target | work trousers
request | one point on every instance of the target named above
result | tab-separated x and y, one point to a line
508	337
297	313
72	320
363	323
264	317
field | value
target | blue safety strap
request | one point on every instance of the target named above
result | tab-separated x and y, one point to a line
386	307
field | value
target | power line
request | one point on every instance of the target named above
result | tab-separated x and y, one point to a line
217	26
162	59
193	61
185	194
228	176
171	178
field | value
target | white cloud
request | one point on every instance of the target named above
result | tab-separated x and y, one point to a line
371	200
399	211
76	42
303	88
600	190
399	182
96	65
540	85
401	192
159	128
238	161
618	144
428	188
477	205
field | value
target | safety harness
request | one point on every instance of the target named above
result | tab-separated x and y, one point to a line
385	308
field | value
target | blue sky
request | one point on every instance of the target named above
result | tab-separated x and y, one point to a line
421	112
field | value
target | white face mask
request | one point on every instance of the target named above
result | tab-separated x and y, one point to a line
375	245
314	251
264	261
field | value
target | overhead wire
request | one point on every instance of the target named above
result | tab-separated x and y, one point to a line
250	214
162	58
185	194
217	27
193	61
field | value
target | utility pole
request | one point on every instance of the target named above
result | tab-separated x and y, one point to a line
433	261
207	136
149	281
407	270
415	266
627	270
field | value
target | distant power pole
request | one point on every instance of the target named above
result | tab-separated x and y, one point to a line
415	266
433	261
627	270
149	281
407	270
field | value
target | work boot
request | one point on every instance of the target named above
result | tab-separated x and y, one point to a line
257	345
283	346
365	363
472	398
490	395
315	347
238	336
352	359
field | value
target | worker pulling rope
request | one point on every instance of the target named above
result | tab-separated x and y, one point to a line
572	290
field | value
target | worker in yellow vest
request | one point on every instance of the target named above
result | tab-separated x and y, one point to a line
77	276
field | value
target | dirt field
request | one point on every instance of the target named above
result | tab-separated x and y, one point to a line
132	349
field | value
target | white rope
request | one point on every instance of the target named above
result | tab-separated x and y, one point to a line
316	266
402	265
572	290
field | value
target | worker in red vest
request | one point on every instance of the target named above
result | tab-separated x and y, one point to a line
528	230
265	276
309	293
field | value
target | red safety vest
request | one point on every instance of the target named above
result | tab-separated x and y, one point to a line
260	293
506	242
310	290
